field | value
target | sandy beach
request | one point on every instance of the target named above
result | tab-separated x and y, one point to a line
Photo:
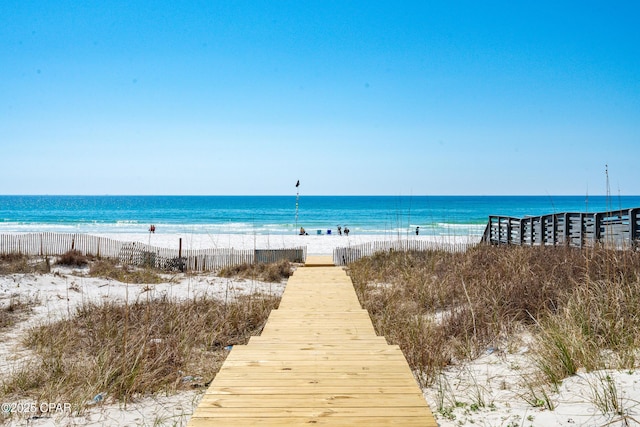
57	295
316	244
489	391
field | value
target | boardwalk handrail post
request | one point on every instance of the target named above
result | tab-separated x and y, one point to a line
597	221
633	226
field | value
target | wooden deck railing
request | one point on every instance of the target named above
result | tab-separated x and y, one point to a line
618	228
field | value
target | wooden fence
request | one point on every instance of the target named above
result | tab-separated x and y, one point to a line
346	255
140	254
619	229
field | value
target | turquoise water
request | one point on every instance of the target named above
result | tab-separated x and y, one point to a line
435	215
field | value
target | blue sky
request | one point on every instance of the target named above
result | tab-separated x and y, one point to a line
352	97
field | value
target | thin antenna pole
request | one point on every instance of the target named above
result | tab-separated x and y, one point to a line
606	172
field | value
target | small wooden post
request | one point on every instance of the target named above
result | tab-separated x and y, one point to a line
180	247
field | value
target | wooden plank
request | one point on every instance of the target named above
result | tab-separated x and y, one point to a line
304	314
328	365
305	383
318	400
267	350
352	339
330	330
312	412
316	421
311	390
359	359
305	341
319	261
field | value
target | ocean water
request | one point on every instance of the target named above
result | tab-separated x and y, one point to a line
274	215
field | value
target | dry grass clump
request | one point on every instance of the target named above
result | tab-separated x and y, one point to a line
273	272
597	327
441	307
125	351
14	309
73	258
22	264
110	269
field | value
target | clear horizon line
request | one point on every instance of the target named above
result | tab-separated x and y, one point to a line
308	195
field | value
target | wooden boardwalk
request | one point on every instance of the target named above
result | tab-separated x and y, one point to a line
318	361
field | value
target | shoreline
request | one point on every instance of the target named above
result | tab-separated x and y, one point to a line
323	244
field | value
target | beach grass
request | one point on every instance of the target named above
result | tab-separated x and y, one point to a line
111	269
267	272
15	309
118	352
16	263
441	308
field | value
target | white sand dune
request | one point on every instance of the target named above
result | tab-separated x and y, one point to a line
490	391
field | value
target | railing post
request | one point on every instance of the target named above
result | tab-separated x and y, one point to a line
582	229
531	231
597	221
633	226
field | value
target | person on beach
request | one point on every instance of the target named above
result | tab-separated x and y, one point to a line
346	231
152	229
339	231
303	232
417	230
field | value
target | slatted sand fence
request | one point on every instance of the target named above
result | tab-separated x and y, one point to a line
141	254
349	254
318	361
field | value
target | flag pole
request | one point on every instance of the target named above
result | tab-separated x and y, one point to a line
297	198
